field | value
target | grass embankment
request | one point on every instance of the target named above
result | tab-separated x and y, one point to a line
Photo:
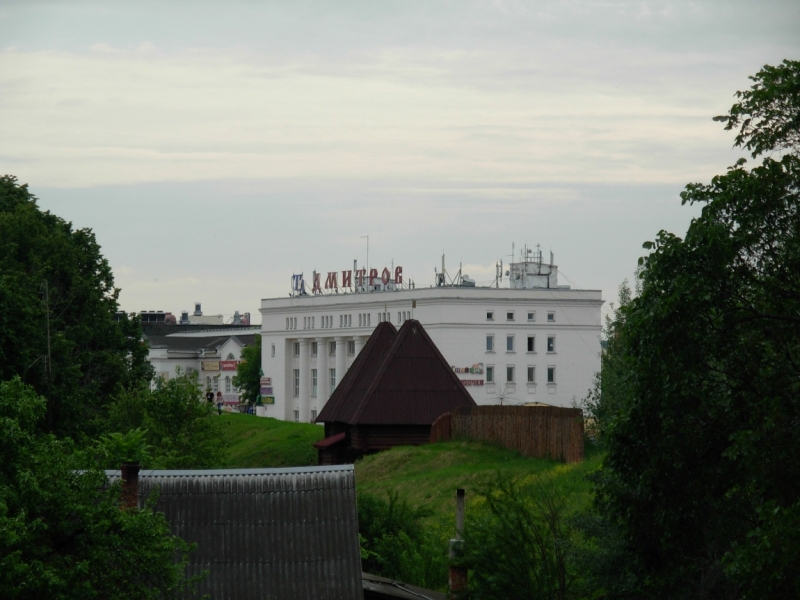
267	443
429	475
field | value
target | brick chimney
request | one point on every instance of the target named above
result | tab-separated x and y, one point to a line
458	575
130	485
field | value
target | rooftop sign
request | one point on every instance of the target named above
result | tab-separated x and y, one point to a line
353	280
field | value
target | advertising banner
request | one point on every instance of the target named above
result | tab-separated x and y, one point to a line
472	381
210	365
266	391
227	365
268	399
475	369
266	381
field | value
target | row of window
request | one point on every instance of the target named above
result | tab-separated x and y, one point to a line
351	348
364	320
511	345
314	382
511	374
511	316
213	384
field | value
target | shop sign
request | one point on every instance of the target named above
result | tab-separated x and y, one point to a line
266	391
210	365
476	369
227	365
268	399
266	381
472	382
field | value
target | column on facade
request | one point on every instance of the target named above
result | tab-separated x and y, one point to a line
323	375
341	358
304	400
360	341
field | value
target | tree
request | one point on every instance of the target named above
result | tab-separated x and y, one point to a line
701	482
248	372
63	534
178	429
59	328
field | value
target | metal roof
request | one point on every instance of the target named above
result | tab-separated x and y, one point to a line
264	533
177	343
408	383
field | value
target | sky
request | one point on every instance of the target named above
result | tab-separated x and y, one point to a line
216	148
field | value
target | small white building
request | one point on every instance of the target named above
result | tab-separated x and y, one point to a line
532	341
212	354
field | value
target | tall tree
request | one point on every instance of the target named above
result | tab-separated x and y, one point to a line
59	329
248	372
62	532
702	478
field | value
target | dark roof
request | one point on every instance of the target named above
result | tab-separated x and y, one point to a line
265	533
408	383
381	588
175	343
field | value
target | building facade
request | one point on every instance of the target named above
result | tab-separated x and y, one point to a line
531	341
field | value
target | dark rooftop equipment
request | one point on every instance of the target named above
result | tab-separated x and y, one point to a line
198	312
397	387
264	533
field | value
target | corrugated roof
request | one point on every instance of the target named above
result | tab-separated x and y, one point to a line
191	344
409	383
265	533
382	588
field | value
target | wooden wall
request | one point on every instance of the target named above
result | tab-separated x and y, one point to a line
541	431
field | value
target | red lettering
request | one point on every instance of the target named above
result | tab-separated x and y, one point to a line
398	275
360	275
331	282
316	289
347	279
385	276
373	275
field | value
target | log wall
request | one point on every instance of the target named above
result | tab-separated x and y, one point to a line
540	431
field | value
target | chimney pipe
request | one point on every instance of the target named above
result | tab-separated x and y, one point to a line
130	485
458	575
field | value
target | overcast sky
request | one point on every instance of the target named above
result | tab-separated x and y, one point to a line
215	148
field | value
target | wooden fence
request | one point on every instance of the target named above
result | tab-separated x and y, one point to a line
541	431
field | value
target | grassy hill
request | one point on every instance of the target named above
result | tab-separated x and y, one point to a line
264	442
425	475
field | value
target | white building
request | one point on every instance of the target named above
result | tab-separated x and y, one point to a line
533	341
212	354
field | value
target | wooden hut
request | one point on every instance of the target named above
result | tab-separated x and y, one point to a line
395	389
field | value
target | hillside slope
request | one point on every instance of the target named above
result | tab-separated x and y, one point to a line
264	442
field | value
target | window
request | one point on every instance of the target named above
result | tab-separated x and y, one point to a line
216	384
341	320
333	379
314	383
208	382
351	347
531	317
296	390
551	344
230	356
551	317
227	384
531	343
297	416
273	350
313	415
313	348
531	374
509	316
490	315
510	374
331	348
489	374
490	343
399	317
551	374
509	343
313	319
297	348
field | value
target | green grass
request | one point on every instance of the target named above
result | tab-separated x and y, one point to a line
429	475
264	442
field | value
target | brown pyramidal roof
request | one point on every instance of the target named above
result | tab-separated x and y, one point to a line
398	378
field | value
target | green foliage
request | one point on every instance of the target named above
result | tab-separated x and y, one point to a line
701	485
259	442
49	270
519	544
248	373
62	532
395	542
171	423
